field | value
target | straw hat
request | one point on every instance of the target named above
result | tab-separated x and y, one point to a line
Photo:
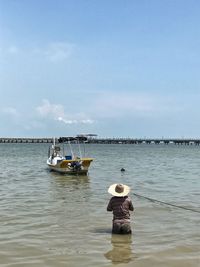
119	190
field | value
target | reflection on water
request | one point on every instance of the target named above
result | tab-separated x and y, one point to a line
72	188
121	251
66	180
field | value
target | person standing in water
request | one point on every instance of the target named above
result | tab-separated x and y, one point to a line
121	205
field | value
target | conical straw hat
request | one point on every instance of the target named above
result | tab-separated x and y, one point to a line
119	190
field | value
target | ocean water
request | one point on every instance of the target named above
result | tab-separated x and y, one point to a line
48	219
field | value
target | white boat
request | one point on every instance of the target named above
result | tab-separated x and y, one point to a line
62	159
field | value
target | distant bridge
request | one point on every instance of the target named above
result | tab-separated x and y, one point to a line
91	140
26	140
136	141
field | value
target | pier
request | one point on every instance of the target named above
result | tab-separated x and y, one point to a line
149	141
26	140
134	141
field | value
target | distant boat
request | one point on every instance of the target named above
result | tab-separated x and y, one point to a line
62	159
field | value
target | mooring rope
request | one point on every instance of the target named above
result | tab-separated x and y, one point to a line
165	203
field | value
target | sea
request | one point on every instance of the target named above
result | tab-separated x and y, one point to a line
53	220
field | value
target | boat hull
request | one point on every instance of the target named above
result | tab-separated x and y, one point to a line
65	166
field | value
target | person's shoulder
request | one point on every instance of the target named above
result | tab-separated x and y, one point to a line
114	198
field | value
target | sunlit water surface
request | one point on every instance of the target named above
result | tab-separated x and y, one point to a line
47	219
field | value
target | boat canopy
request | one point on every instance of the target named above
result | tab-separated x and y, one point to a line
71	139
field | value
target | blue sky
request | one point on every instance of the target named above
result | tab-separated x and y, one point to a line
113	68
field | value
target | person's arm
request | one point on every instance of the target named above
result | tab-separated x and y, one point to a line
131	205
109	207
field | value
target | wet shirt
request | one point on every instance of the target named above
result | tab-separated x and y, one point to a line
120	207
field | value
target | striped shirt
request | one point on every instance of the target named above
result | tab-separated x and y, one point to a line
120	206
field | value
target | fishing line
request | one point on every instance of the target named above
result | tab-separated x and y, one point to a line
165	203
71	149
79	147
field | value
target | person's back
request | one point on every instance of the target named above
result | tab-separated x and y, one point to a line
120	204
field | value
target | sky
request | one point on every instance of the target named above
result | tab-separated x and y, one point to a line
114	68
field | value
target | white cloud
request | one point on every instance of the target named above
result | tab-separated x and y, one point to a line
54	51
88	121
59	51
56	112
67	121
11	112
50	110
